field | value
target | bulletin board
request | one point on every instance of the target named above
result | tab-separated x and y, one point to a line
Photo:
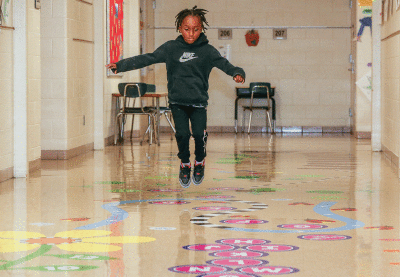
115	31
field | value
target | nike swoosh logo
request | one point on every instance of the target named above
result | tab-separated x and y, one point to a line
182	60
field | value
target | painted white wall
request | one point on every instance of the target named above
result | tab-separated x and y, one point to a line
6	94
390	80
20	88
376	120
54	75
364	56
309	69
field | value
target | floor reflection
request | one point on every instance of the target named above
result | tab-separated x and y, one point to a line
318	205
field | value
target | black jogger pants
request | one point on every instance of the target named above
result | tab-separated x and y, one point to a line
198	121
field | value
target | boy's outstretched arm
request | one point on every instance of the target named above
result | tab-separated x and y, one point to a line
139	61
223	64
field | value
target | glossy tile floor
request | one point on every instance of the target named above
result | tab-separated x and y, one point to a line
269	205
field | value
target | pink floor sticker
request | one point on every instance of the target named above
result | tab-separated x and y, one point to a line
239	254
237	262
215	196
271	248
243	241
210	247
169	202
196	269
165	190
324	237
244	221
214	208
268	270
302	226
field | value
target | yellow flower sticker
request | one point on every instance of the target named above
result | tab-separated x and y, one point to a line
74	241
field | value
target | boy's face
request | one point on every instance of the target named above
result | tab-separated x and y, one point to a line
190	28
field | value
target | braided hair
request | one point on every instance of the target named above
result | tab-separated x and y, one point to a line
194	12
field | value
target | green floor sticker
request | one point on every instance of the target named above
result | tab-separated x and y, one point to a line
229	161
58	268
163	195
204	193
109	183
83	257
125	190
264	190
162	185
245	177
325	191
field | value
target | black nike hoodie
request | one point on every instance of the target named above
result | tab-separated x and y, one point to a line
188	68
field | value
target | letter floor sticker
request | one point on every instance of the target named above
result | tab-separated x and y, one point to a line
210	247
268	270
325	237
244	221
271	248
302	226
214	208
246	261
239	254
240	242
229	274
237	262
196	269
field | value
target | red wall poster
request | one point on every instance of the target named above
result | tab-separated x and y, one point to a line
115	30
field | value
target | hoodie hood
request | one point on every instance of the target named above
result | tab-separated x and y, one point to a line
201	40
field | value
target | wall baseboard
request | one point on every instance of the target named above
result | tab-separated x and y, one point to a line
127	134
35	165
278	129
66	154
363	135
6	174
392	157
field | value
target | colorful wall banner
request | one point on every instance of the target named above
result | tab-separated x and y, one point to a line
115	30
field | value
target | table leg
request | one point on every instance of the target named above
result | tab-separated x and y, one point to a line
158	120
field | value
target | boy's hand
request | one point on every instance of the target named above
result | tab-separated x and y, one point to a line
238	79
112	67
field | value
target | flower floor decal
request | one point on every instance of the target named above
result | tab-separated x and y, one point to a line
81	241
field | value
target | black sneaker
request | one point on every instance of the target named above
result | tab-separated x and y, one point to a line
184	175
198	172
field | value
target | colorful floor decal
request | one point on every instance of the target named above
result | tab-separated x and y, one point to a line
243	221
322	209
324	237
80	241
237	257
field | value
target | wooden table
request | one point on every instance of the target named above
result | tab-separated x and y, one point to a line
152	95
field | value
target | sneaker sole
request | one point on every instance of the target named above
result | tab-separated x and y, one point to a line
197	183
185	185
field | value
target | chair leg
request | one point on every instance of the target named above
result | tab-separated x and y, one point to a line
133	116
148	131
169	121
269	122
251	115
116	129
243	120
